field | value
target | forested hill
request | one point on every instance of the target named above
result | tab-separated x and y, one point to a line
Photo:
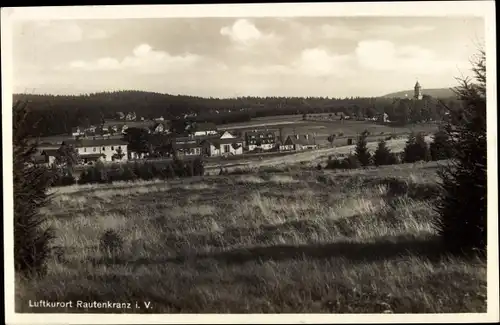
56	114
441	93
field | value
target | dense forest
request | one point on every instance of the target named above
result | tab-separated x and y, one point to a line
56	114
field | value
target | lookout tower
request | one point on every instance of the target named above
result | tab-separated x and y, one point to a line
417	91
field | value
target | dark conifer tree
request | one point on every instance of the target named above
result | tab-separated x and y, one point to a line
362	153
462	206
32	237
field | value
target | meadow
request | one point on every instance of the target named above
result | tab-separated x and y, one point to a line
298	240
321	129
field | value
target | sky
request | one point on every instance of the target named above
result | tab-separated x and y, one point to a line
230	57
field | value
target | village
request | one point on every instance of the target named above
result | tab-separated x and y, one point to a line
106	142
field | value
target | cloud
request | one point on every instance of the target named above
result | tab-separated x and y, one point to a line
341	31
312	62
338	31
383	55
319	62
396	30
144	59
244	33
65	32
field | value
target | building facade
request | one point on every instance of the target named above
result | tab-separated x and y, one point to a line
106	150
298	142
226	144
263	139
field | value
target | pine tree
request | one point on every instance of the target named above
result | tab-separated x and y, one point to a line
361	151
416	149
383	156
440	147
32	238
462	206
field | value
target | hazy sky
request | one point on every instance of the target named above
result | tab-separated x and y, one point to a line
225	57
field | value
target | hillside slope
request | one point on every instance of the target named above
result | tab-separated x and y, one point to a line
435	92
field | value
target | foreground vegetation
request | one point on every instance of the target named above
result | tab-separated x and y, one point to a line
299	241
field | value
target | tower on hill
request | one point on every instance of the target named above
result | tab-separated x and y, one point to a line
417	94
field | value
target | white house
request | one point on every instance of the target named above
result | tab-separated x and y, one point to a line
187	148
100	149
298	142
226	144
265	140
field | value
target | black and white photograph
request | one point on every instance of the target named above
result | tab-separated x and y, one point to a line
250	163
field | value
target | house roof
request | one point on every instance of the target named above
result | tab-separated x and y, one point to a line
187	145
217	142
302	140
259	132
96	142
50	152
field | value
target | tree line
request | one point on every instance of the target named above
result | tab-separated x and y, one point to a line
56	114
416	149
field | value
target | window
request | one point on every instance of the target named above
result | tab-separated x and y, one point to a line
95	149
226	148
84	149
103	148
113	148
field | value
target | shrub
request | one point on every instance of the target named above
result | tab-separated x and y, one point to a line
416	149
32	238
440	148
198	166
383	156
94	174
352	162
111	242
462	206
335	164
362	153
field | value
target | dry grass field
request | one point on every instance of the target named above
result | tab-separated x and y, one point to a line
298	241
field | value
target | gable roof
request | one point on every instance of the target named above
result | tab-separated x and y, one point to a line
217	141
49	152
259	132
302	140
186	145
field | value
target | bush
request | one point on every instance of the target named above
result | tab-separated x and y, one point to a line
100	173
352	162
335	164
462	207
63	180
111	242
383	156
32	237
97	173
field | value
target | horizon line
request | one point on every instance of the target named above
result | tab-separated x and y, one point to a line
218	97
